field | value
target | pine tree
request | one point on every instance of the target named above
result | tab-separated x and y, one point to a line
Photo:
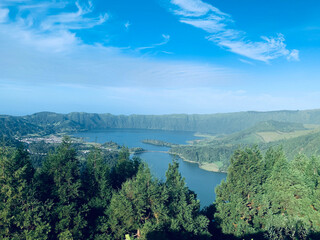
97	188
286	199
21	215
238	198
59	181
183	206
138	207
124	169
289	203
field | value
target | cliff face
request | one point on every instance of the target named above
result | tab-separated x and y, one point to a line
207	123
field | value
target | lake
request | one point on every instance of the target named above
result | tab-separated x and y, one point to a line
200	181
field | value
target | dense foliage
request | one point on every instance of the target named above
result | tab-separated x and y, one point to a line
270	196
208	153
67	198
293	138
231	131
265	196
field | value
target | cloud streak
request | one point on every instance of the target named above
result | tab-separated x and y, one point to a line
40	40
4	12
166	39
74	20
32	24
210	19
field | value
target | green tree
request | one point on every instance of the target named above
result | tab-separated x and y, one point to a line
97	188
59	181
281	201
183	206
124	169
238	198
21	215
149	209
138	207
291	199
287	205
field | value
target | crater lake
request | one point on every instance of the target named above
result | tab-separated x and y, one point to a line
200	181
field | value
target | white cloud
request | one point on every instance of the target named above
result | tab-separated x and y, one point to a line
63	58
293	56
56	41
33	25
205	16
265	51
194	8
208	25
74	20
166	39
4	13
127	25
246	61
39	62
45	49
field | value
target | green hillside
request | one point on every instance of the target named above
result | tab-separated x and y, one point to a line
17	126
294	137
307	144
222	123
295	130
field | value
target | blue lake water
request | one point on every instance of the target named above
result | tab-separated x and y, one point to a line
200	181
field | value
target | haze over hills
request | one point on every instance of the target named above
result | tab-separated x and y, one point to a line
296	131
293	138
222	123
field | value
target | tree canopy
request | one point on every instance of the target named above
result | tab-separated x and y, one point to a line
265	196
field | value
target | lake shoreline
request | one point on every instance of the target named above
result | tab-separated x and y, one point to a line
200	180
210	167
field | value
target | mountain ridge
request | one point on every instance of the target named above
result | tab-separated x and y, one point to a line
217	123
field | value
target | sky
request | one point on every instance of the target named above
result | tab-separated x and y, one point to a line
159	56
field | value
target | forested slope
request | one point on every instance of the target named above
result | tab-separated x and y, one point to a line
265	196
293	137
68	199
206	123
268	196
17	126
222	123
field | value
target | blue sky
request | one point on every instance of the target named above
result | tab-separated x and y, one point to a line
159	56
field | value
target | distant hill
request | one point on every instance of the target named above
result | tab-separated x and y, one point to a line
295	138
256	133
17	126
229	130
272	125
308	144
222	123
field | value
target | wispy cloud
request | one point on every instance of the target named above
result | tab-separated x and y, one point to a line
207	17
41	38
194	8
293	56
74	20
42	57
166	39
96	65
32	24
4	12
127	25
246	61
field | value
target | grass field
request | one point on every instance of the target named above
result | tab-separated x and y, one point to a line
209	167
212	151
277	135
